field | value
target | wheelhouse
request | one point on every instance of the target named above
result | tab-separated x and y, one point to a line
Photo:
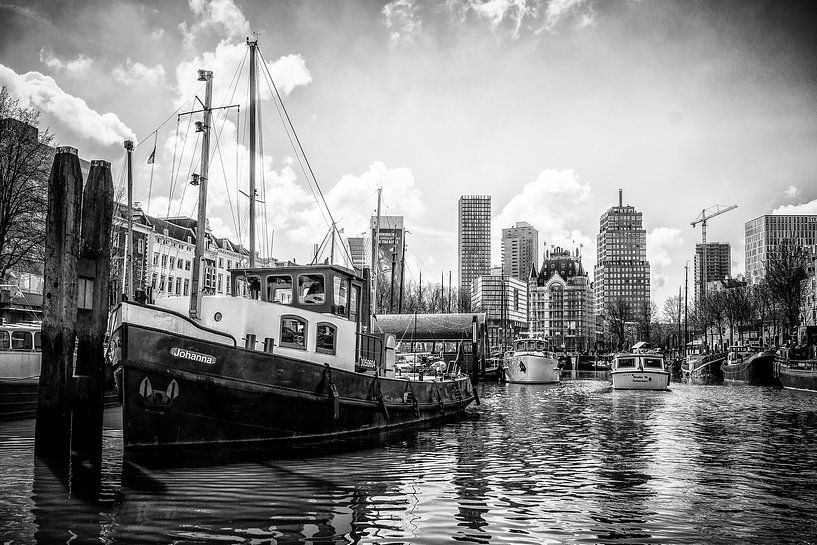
326	289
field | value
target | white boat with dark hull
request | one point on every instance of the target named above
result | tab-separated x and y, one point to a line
530	362
20	358
639	369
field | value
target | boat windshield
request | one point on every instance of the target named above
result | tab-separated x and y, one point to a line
652	363
531	345
540	345
279	288
311	289
625	362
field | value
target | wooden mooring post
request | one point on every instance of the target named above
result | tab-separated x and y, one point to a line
92	313
75	307
53	428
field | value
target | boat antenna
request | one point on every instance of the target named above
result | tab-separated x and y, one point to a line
201	181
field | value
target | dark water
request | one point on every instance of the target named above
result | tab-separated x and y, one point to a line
575	463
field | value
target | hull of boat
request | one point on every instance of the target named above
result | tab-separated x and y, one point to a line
640	380
757	369
183	391
709	367
796	375
530	369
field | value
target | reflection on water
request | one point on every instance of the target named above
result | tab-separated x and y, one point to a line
574	462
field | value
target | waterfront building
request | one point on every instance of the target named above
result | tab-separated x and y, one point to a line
560	302
473	243
713	261
504	300
766	232
622	272
520	247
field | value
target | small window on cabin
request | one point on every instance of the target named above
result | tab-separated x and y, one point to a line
311	289
652	363
354	297
540	345
254	286
38	341
531	345
293	332
626	362
327	336
4	340
21	340
279	288
341	294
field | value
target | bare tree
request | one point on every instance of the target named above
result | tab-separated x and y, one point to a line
647	312
739	310
785	269
25	159
617	313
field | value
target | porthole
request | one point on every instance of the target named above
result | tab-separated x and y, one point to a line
217	316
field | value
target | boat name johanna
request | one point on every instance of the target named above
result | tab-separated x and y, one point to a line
190	355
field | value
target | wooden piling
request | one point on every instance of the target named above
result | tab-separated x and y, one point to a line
93	307
53	428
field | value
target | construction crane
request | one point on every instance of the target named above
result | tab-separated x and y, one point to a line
707	214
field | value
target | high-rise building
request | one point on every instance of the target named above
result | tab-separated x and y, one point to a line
504	300
717	257
357	251
560	302
520	246
473	243
767	232
622	272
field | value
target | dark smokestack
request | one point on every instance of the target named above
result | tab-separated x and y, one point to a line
619	197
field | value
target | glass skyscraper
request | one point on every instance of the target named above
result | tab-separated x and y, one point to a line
473	243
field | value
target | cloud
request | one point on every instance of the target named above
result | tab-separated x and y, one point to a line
555	204
794	209
156	34
288	72
402	18
662	241
136	73
42	92
792	192
75	67
221	17
497	11
558	10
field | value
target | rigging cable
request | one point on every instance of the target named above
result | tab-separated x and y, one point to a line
152	168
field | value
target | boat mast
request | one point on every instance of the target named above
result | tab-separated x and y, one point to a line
375	252
201	224
253	91
129	246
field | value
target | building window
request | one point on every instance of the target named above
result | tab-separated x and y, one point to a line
186	286
164	261
179	286
187	265
220	282
326	338
172	262
220	262
155	259
293	332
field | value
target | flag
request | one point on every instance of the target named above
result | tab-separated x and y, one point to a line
152	156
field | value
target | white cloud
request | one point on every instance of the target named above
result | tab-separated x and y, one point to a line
75	67
42	92
402	18
802	208
791	192
156	34
289	72
496	11
555	204
136	73
222	17
661	242
558	10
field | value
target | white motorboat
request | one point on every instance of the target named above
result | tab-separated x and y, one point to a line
531	363
639	369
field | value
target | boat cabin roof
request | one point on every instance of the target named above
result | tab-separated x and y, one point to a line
321	288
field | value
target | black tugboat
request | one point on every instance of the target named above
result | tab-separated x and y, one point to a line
796	366
750	365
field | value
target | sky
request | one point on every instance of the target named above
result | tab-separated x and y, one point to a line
549	106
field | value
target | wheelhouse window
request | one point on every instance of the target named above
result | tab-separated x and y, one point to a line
5	340
354	297
311	289
652	363
626	362
21	340
293	332
279	288
326	338
341	290
38	341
